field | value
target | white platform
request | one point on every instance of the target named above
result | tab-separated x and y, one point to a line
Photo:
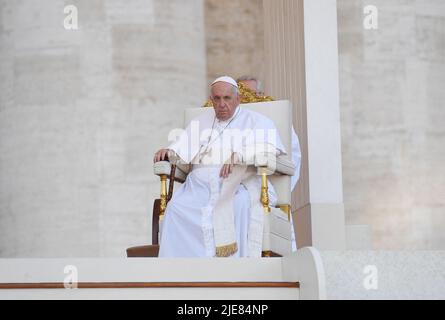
304	267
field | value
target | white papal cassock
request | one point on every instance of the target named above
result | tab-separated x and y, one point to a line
188	227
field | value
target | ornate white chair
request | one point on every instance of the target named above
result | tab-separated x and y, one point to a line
277	170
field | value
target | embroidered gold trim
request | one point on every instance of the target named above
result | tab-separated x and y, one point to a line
227	251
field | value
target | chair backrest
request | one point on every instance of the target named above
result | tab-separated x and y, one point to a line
280	112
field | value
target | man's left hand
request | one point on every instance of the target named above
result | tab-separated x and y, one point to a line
227	168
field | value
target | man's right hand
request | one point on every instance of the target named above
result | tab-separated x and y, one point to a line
161	155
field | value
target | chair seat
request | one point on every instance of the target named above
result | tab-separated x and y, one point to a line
150	251
277	233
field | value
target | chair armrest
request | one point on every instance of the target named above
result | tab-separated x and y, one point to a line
164	168
275	165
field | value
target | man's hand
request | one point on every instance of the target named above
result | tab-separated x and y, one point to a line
161	155
227	168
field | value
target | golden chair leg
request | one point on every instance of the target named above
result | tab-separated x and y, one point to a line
163	196
264	191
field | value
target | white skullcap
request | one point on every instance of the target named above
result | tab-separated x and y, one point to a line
226	79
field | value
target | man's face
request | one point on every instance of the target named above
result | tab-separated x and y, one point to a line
224	100
251	84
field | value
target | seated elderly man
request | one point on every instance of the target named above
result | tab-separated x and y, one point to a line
217	211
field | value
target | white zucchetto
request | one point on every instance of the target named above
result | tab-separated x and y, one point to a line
226	79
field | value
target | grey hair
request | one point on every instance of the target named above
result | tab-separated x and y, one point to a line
259	84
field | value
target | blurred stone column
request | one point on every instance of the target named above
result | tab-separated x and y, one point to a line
302	66
81	114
